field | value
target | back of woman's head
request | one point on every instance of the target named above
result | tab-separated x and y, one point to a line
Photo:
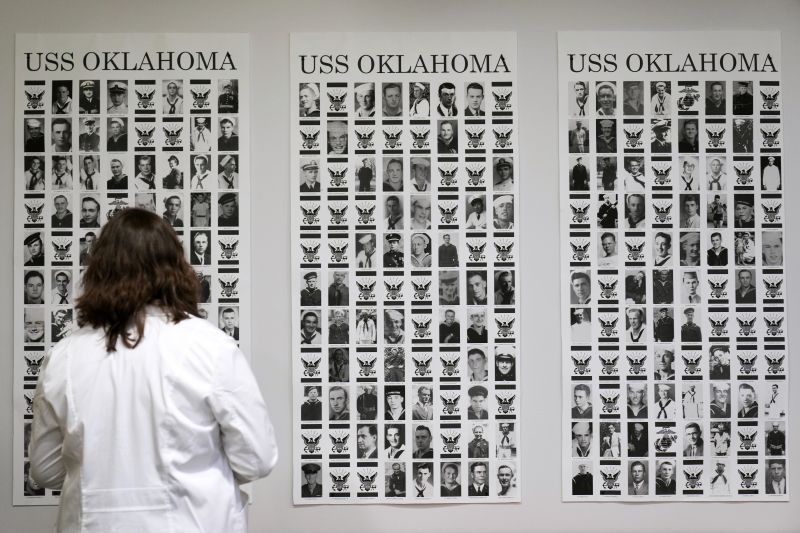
136	261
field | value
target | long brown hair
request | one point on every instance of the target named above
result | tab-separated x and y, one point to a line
136	261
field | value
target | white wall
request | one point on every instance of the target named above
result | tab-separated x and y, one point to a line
536	23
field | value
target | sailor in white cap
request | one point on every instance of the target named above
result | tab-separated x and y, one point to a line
421	173
606	99
504	212
201	172
365	98
118	97
421	107
366	256
89	103
661	102
665	404
310	170
118	140
477	218
309	100
771	175
420	212
62	105
201	135
581	439
420	247
228	178
35	135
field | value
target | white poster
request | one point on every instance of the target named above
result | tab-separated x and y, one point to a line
107	122
404	263
672	223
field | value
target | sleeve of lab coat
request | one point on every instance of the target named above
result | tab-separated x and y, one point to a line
44	451
247	434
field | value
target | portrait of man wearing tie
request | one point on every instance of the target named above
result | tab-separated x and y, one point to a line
62	293
693	441
637	480
478	483
229	321
776	476
201	253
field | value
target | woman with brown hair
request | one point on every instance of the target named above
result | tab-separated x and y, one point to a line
148	417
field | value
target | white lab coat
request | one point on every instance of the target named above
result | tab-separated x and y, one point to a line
154	439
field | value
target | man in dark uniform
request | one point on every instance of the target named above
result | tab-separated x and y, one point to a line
450	329
396	482
35	248
364	176
228	141
311	488
664	482
312	407
661	143
228	210
664	328
310	295
228	101
62	218
746	293
448	253
690	332
580	176
118	140
743	100
477	399
89	141
743	214
394	257
367	404
310	175
478	447
688	141
338	291
88	103
35	140
715	103
582	482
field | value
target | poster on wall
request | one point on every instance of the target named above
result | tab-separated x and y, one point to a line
405	272
108	122
675	367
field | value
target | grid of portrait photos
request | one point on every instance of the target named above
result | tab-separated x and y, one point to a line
405	283
675	360
94	143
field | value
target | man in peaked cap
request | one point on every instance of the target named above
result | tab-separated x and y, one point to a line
228	178
661	143
505	368
365	98
311	488
310	175
394	257
89	140
89	103
743	99
504	174
228	210
35	249
118	97
35	140
228	101
477	402
228	141
310	295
